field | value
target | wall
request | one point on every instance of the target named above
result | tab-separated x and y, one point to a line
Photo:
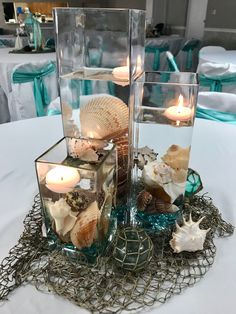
220	27
132	4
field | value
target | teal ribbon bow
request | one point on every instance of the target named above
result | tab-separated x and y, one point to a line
213	115
156	51
40	91
216	83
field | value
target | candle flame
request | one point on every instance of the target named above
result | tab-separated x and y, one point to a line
127	62
180	107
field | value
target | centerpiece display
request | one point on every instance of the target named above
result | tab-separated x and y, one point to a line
162	123
100	52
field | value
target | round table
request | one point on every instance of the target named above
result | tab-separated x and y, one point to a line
212	155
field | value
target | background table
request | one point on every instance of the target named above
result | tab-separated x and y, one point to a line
10	40
227	56
213	156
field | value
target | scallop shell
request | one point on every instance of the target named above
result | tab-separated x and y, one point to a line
189	237
145	155
143	200
177	157
104	118
84	231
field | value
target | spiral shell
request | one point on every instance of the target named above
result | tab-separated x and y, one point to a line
84	231
143	200
104	118
189	237
177	157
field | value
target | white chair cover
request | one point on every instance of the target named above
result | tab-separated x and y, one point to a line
219	71
223	102
207	49
22	102
4	111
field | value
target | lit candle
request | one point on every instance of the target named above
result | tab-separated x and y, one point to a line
62	179
178	113
122	73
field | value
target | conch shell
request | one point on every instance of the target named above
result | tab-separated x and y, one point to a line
84	231
104	118
63	216
177	157
189	237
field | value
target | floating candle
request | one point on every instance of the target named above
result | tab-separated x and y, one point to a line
178	113
122	73
62	179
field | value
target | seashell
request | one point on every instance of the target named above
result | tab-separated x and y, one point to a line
145	155
164	207
78	148
89	155
177	157
156	173
70	128
179	175
189	237
84	231
144	198
79	200
104	118
62	215
158	180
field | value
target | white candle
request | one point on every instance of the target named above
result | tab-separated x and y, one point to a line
62	179
178	113
122	73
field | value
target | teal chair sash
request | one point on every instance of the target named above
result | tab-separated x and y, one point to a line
173	67
156	51
40	91
33	26
216	115
216	83
189	46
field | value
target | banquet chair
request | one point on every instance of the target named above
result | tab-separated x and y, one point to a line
186	54
173	67
217	107
156	51
33	86
4	110
207	49
217	77
50	43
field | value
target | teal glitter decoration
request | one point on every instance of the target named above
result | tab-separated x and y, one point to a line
133	249
193	184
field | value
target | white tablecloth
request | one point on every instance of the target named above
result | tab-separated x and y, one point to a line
220	57
213	156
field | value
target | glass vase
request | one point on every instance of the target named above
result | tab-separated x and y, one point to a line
162	122
77	183
99	53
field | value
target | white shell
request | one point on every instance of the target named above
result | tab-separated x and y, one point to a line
63	216
158	174
104	118
189	237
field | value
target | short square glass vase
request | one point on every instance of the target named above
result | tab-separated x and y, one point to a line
77	183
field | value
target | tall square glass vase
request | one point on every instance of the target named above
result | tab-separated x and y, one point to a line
162	123
77	184
99	52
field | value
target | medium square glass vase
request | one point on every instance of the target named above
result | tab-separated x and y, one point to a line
77	184
162	122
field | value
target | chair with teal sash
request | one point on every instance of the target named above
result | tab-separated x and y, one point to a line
156	51
216	106
188	50
173	67
33	87
217	77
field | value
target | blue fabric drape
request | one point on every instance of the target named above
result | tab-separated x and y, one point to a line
40	91
216	83
216	115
